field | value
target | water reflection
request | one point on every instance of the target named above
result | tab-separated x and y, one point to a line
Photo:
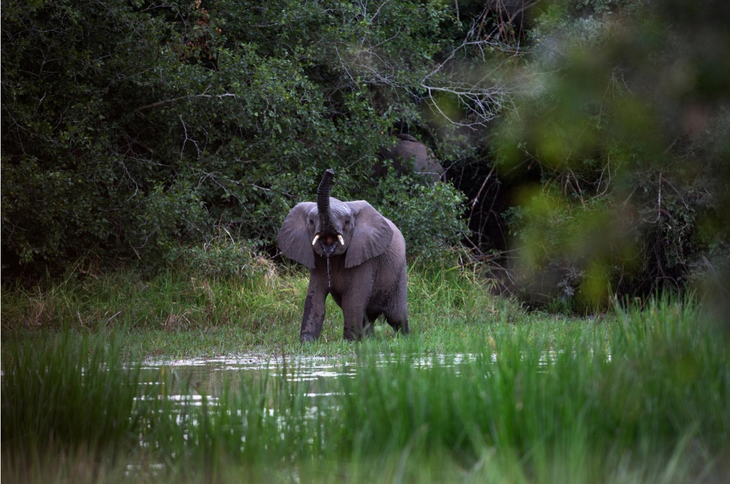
210	376
191	378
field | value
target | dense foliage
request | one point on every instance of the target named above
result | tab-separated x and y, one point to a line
591	136
628	123
135	128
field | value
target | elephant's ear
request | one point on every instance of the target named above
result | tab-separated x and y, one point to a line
371	237
293	238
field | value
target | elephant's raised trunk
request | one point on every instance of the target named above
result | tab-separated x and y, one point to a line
323	201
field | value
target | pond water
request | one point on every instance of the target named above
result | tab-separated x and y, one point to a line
193	377
210	376
189	380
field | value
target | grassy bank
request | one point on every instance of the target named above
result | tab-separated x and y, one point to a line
174	314
644	399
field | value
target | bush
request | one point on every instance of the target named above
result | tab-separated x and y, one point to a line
630	133
220	257
430	215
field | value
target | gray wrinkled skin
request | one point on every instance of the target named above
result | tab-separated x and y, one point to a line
367	274
409	148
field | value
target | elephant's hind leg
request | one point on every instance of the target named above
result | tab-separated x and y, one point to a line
397	314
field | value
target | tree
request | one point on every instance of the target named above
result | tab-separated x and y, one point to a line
131	129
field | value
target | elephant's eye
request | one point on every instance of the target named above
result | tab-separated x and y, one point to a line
311	222
347	222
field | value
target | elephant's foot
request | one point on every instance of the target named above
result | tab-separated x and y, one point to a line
351	335
400	326
307	337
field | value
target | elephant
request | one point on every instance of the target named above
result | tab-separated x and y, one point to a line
353	253
406	148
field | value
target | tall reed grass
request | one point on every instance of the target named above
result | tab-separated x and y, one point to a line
643	400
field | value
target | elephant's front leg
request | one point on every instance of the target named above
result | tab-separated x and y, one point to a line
354	315
313	309
354	304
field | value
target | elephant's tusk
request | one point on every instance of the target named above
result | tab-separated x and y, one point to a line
342	241
316	238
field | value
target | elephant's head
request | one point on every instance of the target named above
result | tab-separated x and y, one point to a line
331	227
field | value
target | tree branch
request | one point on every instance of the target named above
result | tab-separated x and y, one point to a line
193	96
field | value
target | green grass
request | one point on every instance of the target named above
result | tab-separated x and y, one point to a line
634	396
173	314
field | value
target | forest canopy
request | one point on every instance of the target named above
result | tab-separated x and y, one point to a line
586	142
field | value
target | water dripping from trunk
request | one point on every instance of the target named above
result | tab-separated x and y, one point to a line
329	283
